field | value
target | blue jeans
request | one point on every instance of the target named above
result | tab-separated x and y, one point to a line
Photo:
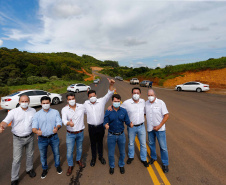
161	136
141	133
121	141
70	141
43	144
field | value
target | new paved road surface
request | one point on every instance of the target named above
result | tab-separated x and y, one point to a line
196	141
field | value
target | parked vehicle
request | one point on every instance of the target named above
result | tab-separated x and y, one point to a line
117	77
120	78
192	86
78	88
145	83
134	81
11	101
96	81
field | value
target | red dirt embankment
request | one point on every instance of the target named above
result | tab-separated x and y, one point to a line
91	75
215	78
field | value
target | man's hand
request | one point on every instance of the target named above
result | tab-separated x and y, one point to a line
131	125
70	123
110	108
156	128
111	82
39	132
107	126
55	129
2	128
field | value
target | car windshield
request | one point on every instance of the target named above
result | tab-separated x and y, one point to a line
14	93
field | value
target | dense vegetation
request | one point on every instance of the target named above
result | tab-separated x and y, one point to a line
168	71
17	67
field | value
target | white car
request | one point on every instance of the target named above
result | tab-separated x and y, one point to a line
192	86
78	87
12	101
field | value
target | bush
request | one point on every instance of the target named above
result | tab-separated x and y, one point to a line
4	91
32	79
16	81
53	78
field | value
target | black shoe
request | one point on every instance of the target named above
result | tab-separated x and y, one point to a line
16	182
165	169
93	162
102	160
44	173
122	170
151	161
59	170
31	173
111	171
129	161
145	163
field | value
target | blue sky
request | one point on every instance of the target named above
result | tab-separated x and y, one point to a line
136	33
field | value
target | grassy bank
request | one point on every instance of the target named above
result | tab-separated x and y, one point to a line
58	86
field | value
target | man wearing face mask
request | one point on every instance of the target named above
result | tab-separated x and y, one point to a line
94	108
45	124
23	137
73	118
157	115
135	108
114	123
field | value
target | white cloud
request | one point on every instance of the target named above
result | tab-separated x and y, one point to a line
158	65
125	30
1	42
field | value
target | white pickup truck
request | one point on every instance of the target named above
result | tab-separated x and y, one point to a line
134	81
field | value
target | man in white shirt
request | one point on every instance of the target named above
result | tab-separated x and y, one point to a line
73	118
135	108
23	137
94	108
157	115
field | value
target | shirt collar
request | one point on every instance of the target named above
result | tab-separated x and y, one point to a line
24	110
132	101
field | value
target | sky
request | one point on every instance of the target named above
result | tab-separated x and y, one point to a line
152	33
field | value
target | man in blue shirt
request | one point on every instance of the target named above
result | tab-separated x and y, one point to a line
45	124
114	123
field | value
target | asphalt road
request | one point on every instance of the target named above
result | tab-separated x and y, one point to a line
196	142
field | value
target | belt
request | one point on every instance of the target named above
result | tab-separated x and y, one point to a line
96	125
138	125
48	136
23	136
74	132
117	134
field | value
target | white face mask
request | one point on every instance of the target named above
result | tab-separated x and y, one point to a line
151	98
46	106
71	102
24	105
93	99
136	97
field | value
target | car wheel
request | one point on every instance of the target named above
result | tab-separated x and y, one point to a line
55	101
179	89
17	105
198	90
77	91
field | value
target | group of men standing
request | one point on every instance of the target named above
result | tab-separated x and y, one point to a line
46	123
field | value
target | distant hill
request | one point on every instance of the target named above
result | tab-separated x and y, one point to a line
15	64
160	75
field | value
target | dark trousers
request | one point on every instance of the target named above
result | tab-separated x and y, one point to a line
96	135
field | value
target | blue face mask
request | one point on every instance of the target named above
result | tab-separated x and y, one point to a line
116	104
